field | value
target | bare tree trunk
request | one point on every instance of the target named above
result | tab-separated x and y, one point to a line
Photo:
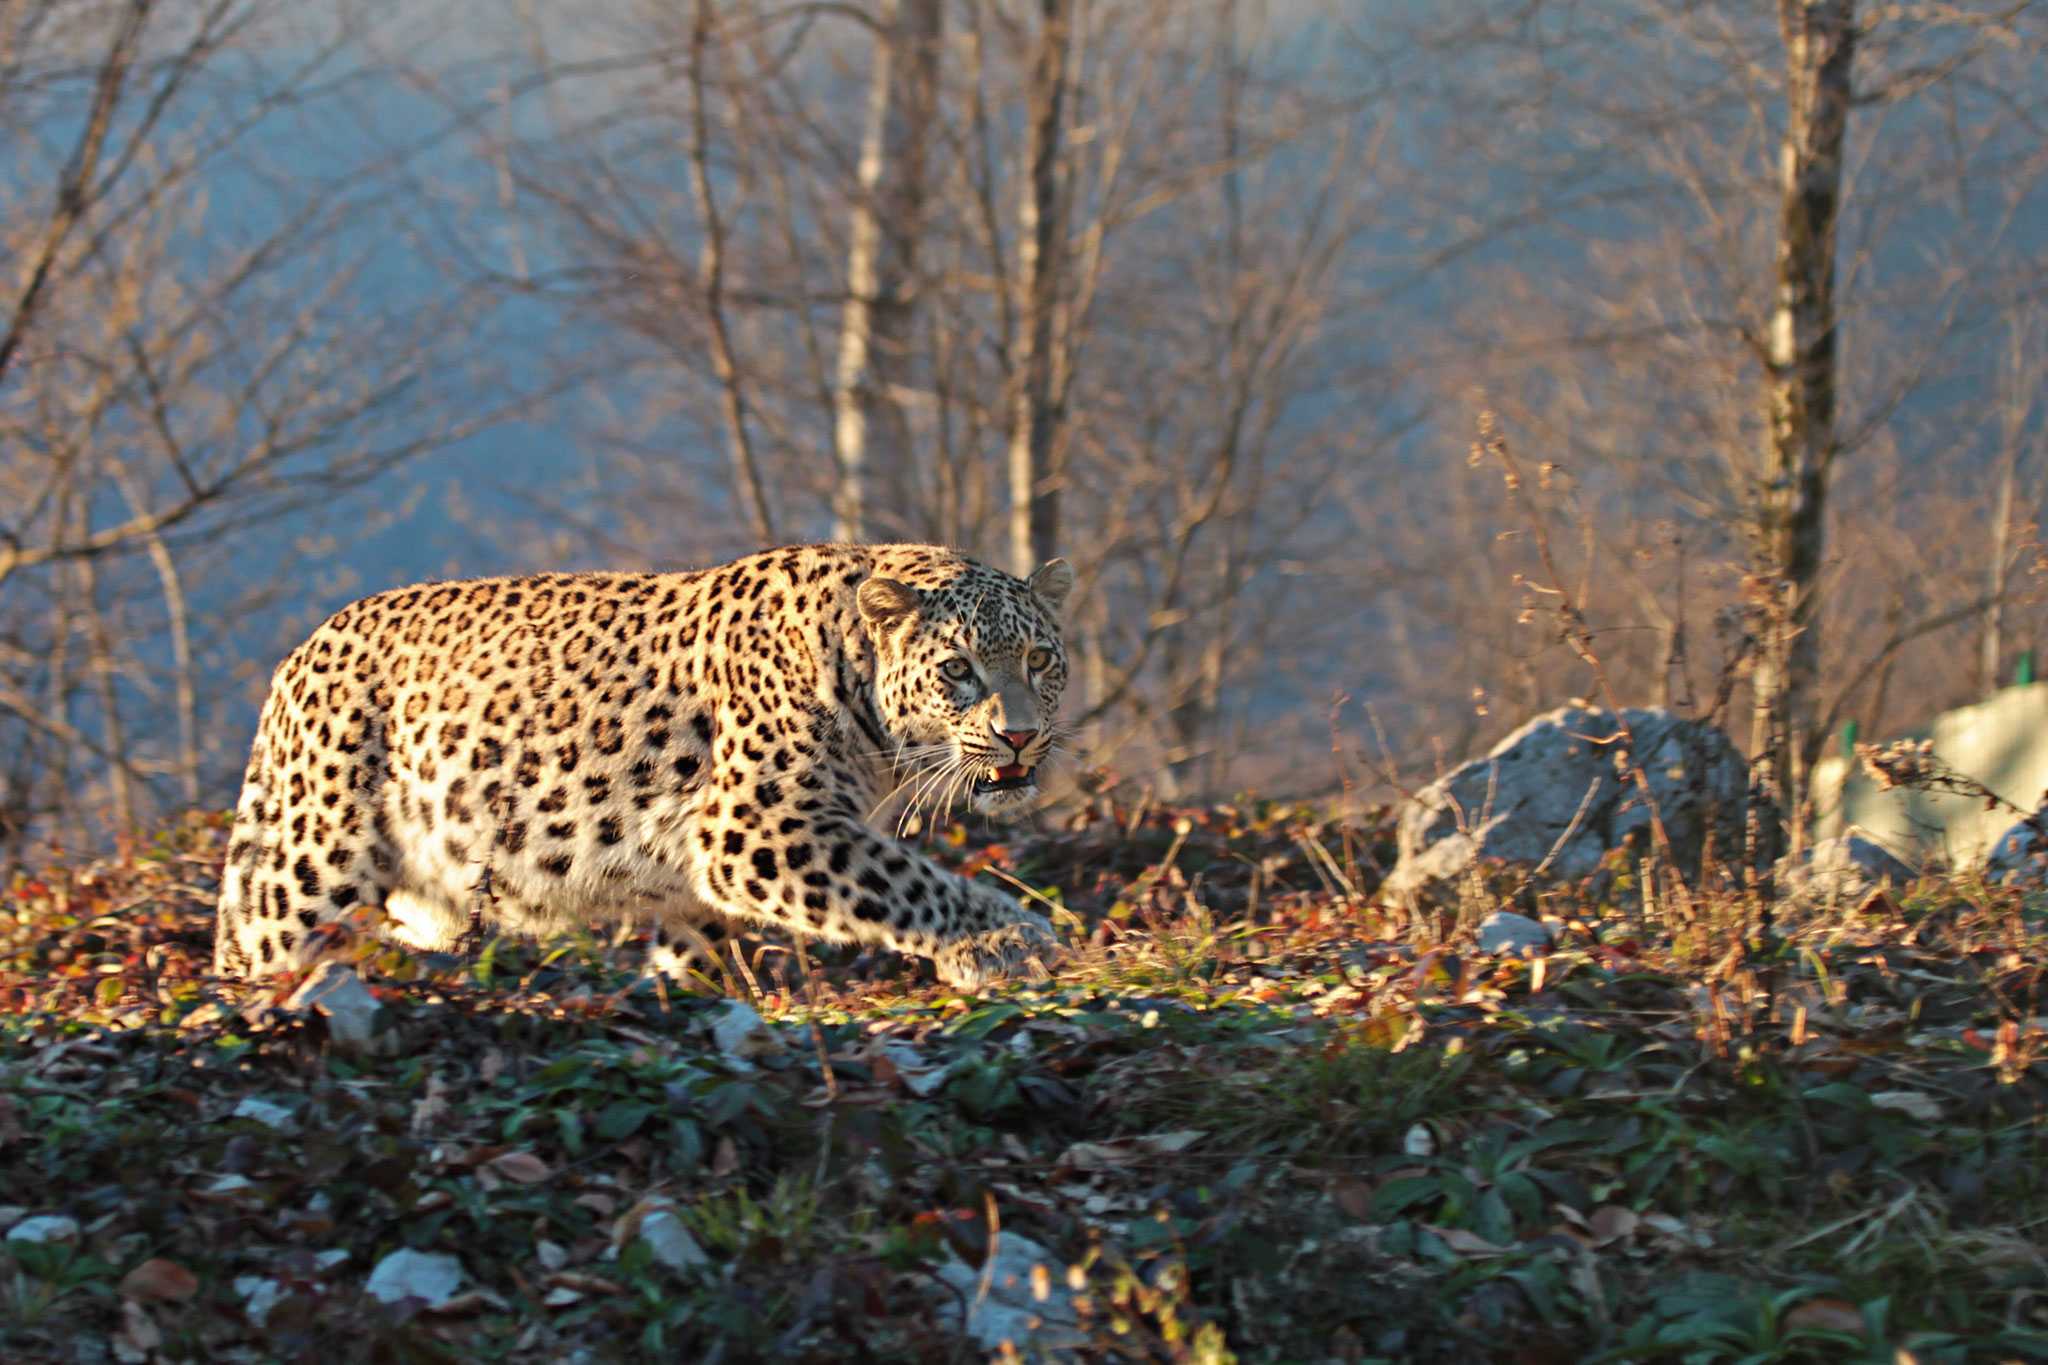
112	731
1035	415
1789	529
74	191
2025	367
1992	649
875	327
747	483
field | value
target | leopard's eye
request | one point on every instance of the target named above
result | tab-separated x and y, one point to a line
1038	660
959	670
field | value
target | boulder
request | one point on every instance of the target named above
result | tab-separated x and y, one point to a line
336	993
48	1227
1507	934
1012	1311
430	1277
2020	857
1516	804
1843	870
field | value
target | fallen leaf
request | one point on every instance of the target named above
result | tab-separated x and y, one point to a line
1612	1223
139	1333
1910	1102
1355	1198
159	1280
1827	1315
522	1167
1466	1243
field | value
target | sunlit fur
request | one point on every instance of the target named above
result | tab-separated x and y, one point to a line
704	750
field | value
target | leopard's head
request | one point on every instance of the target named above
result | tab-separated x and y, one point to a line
969	671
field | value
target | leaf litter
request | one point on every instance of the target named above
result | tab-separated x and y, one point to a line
1256	1116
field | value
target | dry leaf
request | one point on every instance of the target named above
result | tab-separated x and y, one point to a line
1911	1102
1827	1315
139	1333
159	1280
1612	1223
1355	1198
1466	1243
523	1167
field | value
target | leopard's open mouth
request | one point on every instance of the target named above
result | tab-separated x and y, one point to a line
1009	777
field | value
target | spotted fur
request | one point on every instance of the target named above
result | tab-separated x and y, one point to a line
703	749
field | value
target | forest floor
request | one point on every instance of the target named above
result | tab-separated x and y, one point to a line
1254	1116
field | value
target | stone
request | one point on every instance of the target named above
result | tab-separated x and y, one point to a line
48	1227
2020	857
335	992
1012	1311
428	1276
2001	742
1843	870
275	1117
670	1242
1560	782
743	1035
1507	934
259	1296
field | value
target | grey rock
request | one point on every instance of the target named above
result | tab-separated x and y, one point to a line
2020	857
1012	1311
671	1244
1520	801
1840	871
259	1296
337	993
1507	934
743	1035
273	1116
48	1227
428	1276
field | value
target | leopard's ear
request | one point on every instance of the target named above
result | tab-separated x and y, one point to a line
886	601
1052	581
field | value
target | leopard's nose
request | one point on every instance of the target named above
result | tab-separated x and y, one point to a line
1017	739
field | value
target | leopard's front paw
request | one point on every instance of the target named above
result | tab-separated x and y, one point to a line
1025	946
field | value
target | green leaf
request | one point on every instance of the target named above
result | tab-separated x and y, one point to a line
622	1119
1405	1193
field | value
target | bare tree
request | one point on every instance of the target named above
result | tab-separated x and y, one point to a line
1789	526
1729	325
1035	420
876	329
180	389
2022	372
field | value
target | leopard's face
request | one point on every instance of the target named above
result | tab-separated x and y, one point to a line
968	678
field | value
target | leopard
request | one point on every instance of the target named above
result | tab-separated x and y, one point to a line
701	753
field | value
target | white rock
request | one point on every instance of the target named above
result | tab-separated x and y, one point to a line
2002	740
920	1077
428	1276
273	1116
259	1296
48	1227
2020	857
1558	775
671	1243
328	1260
1843	870
336	992
1012	1311
230	1184
742	1034
1506	934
